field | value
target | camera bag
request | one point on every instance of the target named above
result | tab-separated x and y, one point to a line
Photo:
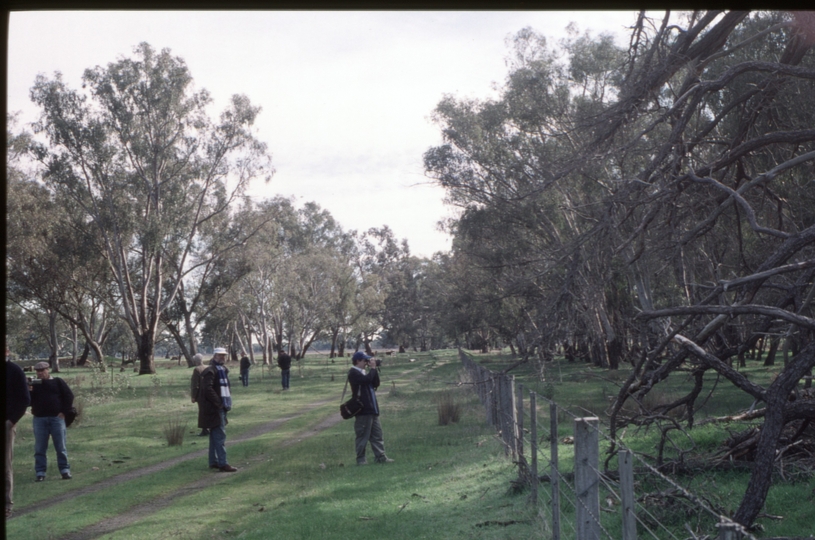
352	407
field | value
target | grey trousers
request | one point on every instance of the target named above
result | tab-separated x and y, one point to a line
368	429
11	432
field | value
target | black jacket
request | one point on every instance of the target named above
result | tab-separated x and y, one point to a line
17	396
364	387
284	361
51	397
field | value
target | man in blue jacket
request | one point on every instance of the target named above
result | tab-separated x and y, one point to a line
366	424
17	399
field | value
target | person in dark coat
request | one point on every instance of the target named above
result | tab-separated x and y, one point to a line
245	365
195	384
366	424
214	402
18	399
284	363
51	399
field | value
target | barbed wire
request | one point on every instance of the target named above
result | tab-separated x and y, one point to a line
486	376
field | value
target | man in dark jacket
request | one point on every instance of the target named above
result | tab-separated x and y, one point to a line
246	364
214	401
51	399
17	400
366	424
284	363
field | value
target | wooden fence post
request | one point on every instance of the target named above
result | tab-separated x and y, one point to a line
510	415
519	423
587	478
554	474
533	458
625	459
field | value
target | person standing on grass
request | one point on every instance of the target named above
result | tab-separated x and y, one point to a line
366	424
214	402
245	365
284	363
18	399
195	384
51	399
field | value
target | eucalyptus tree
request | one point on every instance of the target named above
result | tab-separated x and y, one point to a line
136	151
673	179
215	266
52	264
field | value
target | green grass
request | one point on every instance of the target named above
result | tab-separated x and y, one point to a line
448	481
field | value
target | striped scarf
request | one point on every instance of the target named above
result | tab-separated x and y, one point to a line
226	397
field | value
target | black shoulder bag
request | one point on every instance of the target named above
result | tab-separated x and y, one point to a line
352	407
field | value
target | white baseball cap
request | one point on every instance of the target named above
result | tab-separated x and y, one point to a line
219	350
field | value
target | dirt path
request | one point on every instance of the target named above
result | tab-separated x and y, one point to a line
137	512
152	506
140	511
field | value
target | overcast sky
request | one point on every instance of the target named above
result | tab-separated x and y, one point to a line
346	96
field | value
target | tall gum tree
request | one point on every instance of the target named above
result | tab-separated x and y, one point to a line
673	180
138	153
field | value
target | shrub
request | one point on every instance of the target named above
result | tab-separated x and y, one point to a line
174	431
449	410
79	404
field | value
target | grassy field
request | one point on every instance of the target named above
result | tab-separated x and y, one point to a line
300	481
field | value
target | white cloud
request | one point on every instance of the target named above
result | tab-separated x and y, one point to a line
346	96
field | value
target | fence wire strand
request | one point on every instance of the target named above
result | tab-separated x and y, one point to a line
488	386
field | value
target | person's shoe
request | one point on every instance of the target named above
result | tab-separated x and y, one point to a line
362	462
214	466
40	479
228	468
66	476
385	460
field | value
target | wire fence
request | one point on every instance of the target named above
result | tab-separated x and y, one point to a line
636	501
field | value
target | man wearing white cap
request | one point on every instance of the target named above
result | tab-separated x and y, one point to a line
214	401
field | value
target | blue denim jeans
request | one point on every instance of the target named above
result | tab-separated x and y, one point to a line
245	377
53	426
217	443
284	377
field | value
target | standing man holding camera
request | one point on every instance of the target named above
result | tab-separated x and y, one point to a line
366	424
214	401
51	399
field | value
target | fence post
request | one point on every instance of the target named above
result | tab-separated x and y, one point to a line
586	477
554	474
533	433
519	425
626	466
511	415
728	531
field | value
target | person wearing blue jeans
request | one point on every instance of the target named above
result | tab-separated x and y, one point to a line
246	364
284	363
214	401
51	398
217	444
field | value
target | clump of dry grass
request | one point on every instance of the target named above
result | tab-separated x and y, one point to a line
449	410
174	431
79	404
